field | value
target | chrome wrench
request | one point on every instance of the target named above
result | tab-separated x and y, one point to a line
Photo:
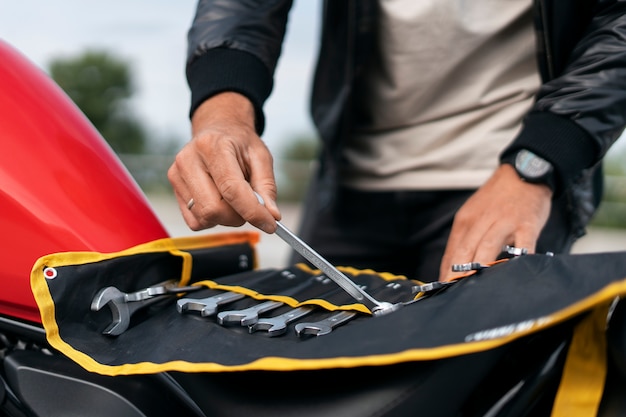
378	308
277	325
207	306
247	316
121	309
163	288
323	327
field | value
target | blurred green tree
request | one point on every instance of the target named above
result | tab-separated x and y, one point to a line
612	210
100	84
297	159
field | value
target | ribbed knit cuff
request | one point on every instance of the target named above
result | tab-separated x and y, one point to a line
560	141
219	70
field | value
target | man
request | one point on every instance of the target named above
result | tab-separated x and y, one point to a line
449	128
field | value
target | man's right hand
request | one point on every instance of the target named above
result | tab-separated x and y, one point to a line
222	166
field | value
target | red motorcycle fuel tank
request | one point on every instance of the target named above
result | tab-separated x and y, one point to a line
62	188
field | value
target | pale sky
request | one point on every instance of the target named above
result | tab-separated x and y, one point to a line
151	35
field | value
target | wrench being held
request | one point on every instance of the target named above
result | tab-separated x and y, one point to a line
377	308
325	326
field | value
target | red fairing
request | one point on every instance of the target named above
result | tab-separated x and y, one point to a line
62	188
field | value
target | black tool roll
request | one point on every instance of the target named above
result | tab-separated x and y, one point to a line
519	336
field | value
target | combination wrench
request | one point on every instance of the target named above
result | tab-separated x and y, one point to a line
207	306
277	325
323	327
247	316
124	305
378	308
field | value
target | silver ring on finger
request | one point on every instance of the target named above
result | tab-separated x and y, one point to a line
190	204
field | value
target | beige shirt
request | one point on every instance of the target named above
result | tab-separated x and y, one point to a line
446	90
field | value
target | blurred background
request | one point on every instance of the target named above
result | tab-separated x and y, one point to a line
123	63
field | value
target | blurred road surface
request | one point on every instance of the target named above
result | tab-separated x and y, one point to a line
274	253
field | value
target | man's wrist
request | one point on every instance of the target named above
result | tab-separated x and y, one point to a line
532	168
225	106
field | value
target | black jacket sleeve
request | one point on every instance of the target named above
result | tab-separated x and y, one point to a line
580	109
235	46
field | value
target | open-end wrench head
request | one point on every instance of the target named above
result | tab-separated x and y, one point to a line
120	320
325	326
120	317
121	308
190	304
312	329
207	306
272	329
104	296
277	331
277	325
235	317
259	326
209	310
248	316
120	313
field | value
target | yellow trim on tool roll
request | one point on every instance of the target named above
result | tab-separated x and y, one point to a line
175	246
292	302
411	355
45	302
287	364
160	245
386	276
584	372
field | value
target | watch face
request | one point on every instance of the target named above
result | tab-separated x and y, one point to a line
530	165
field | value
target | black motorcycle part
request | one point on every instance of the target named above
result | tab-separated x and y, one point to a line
517	380
52	385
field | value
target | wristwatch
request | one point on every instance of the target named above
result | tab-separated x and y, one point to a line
532	168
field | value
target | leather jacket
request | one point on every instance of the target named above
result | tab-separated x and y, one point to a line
579	112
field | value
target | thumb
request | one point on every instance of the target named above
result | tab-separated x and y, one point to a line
263	183
267	197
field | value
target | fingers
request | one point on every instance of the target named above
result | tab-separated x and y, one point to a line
221	192
250	170
263	182
207	209
477	240
482	243
220	168
505	211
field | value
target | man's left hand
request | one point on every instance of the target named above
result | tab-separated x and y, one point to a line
505	211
